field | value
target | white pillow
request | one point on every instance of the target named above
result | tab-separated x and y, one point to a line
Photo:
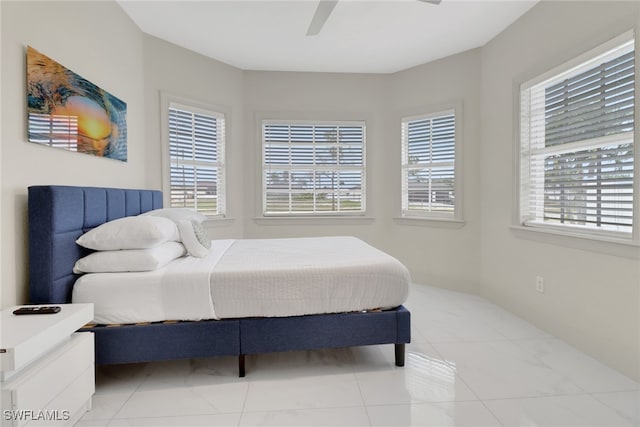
194	238
177	214
132	232
130	259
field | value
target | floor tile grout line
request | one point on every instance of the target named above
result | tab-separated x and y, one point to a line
617	411
483	403
244	403
364	403
546	396
130	396
519	343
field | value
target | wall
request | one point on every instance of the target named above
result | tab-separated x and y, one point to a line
97	41
1	216
591	296
434	251
177	72
315	96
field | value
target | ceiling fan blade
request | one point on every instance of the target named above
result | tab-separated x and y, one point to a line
324	9
431	1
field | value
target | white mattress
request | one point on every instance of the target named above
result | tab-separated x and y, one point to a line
252	278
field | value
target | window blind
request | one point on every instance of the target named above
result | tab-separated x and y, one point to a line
577	145
196	151
428	165
313	168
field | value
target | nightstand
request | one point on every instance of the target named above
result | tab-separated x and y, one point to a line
46	368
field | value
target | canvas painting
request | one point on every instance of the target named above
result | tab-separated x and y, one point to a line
67	111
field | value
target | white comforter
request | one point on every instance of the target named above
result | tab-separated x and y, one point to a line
253	277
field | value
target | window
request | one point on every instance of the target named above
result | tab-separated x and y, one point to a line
428	166
196	152
576	145
313	168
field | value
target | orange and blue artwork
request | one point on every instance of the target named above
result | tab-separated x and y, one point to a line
67	111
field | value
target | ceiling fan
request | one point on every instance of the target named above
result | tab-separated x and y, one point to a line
324	9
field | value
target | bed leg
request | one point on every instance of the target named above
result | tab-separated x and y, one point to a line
241	371
399	354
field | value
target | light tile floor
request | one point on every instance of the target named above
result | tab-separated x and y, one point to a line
471	363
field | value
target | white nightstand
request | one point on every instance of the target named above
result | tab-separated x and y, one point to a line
46	368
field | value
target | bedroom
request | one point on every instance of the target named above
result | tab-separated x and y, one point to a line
592	297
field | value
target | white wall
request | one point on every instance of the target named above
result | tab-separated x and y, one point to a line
437	253
97	41
177	72
1	204
316	96
591	298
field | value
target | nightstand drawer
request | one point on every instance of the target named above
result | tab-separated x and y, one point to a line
73	399
60	378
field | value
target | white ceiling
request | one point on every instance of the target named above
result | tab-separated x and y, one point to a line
360	36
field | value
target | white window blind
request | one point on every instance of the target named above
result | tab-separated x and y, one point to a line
196	150
577	154
313	168
428	165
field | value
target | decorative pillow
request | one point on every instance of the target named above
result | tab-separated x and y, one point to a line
194	238
130	259
132	232
177	214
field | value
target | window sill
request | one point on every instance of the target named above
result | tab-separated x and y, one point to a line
429	222
609	246
313	220
219	221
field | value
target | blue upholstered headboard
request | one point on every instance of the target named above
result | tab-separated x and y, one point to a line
58	215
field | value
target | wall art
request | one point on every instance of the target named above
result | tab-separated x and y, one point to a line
67	111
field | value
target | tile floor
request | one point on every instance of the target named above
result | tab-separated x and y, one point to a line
470	364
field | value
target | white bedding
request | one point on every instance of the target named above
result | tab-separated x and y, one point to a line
253	277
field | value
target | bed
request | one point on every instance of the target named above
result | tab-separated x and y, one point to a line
58	215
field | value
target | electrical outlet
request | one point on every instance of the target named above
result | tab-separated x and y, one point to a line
540	284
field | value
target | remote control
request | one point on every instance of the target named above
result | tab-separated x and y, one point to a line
50	309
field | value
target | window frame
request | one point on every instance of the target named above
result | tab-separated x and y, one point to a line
286	120
168	101
521	217
454	108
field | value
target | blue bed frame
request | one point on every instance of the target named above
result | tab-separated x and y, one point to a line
58	215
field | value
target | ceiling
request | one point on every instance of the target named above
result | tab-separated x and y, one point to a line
360	36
